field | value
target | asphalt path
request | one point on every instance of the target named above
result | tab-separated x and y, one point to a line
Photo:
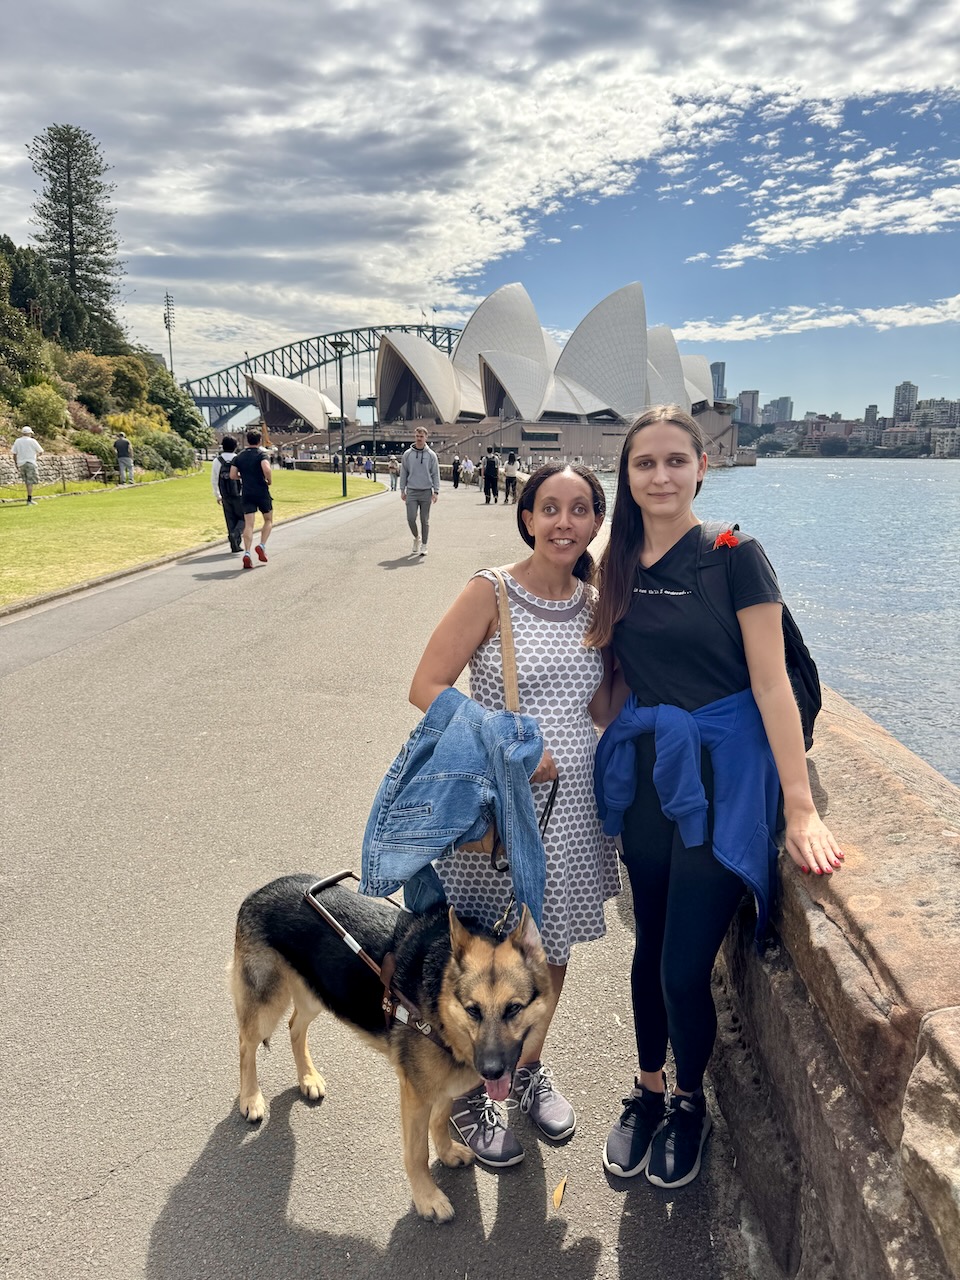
170	742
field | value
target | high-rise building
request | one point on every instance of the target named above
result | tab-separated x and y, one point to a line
719	371
904	402
748	408
870	416
784	409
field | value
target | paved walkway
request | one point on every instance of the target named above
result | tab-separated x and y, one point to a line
170	742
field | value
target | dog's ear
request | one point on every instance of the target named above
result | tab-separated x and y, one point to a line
526	936
459	936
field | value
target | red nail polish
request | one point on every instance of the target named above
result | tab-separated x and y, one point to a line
805	870
818	871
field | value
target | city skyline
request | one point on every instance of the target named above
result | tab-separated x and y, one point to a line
303	171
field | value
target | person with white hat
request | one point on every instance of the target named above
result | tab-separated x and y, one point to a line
26	451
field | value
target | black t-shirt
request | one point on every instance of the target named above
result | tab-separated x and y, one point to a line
671	647
122	447
490	469
248	463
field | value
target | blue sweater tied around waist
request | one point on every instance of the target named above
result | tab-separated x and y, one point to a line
746	787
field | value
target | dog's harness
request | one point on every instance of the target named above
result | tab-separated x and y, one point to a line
395	1005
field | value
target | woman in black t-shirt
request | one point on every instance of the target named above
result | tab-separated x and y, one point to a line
686	672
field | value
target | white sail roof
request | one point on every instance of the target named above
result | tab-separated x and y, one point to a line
665	358
607	351
429	366
307	403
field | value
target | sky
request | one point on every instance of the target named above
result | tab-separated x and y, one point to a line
782	179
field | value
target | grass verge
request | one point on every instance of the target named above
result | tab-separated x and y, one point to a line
60	542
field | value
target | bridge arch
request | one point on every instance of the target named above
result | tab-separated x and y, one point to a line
222	394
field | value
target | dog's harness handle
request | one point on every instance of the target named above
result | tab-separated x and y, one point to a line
396	1007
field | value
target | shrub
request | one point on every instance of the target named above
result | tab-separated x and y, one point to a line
43	409
171	448
98	445
144	455
82	418
129	385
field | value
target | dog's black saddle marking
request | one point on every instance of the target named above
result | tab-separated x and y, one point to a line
396	1007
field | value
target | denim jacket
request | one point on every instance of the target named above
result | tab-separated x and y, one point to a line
461	768
746	787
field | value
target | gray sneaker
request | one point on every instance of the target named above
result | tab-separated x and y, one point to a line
543	1102
480	1123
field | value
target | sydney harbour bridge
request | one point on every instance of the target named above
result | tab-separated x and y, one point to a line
222	394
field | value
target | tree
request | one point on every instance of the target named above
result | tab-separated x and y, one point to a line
769	444
185	418
76	233
833	447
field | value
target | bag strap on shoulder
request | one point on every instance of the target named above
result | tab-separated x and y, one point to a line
508	655
715	588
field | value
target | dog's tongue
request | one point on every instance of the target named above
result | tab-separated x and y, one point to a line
499	1088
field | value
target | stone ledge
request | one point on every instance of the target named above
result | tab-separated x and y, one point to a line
875	954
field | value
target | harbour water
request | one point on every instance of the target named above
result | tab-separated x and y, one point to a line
868	557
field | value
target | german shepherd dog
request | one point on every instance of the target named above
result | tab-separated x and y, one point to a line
482	995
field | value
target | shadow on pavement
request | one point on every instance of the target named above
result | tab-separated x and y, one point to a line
229	1218
400	563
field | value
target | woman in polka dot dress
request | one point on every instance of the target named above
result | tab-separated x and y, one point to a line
566	688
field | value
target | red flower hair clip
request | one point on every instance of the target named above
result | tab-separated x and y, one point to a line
726	539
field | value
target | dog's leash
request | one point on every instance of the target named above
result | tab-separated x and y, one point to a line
498	860
395	1005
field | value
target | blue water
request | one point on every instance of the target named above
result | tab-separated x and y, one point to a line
868	557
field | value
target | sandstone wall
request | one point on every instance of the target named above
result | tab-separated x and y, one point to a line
838	1058
51	468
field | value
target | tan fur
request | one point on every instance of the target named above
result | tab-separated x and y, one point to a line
495	977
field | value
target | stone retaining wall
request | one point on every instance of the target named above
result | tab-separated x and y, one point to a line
838	1057
51	468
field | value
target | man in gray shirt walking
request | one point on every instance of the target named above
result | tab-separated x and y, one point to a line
419	487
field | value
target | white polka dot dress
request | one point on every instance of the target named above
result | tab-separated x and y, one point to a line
557	678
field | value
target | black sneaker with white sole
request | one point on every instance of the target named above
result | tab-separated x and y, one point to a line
678	1144
627	1149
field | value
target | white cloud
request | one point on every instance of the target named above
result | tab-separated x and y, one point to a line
285	175
789	320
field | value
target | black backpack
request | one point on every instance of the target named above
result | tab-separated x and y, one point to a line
490	468
228	488
717	594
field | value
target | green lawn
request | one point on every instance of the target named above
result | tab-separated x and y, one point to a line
62	541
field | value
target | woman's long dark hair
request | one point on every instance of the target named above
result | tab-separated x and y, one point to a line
619	559
584	568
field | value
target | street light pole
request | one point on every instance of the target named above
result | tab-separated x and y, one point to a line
339	345
374	437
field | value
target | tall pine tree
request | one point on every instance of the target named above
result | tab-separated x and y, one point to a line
75	233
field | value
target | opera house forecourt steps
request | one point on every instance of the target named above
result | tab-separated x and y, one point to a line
838	1057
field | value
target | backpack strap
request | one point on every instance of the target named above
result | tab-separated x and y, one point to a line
713	577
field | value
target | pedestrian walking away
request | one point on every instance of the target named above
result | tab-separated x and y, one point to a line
491	473
228	493
124	454
510	471
565	687
690	774
368	468
419	488
252	467
26	451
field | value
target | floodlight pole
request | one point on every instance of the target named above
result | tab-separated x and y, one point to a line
339	345
374	430
169	323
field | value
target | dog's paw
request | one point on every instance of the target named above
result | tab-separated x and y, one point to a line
456	1155
434	1206
253	1109
313	1086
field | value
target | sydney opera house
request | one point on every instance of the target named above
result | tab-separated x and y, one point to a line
508	383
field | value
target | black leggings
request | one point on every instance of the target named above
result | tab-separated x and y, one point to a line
683	902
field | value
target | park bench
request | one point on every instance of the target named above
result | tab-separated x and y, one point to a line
97	469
